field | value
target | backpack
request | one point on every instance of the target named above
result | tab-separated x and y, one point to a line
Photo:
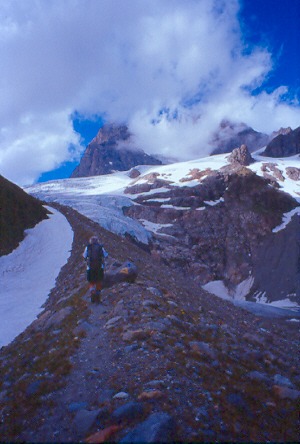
95	256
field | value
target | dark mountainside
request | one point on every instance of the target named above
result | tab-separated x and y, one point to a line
111	150
231	135
233	240
18	212
284	145
160	360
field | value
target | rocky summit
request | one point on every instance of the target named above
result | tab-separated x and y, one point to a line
112	150
232	135
284	144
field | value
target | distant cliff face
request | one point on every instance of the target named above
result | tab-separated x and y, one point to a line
18	211
222	228
284	145
111	150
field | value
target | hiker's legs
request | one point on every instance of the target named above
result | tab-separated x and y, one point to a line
95	283
98	291
98	286
92	290
92	287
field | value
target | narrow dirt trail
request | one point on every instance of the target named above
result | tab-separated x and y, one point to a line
170	346
87	383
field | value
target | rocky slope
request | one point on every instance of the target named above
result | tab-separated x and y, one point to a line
222	228
223	219
112	150
18	212
284	145
159	360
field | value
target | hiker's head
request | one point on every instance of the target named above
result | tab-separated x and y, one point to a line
94	240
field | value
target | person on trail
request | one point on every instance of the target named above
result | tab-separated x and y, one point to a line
94	255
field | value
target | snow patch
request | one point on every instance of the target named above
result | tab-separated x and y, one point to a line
159	200
155	228
286	219
29	273
173	207
214	202
260	307
239	293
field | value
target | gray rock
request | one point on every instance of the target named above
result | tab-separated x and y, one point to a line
155	291
105	396
284	392
84	420
203	349
241	156
157	383
149	303
158	427
258	376
281	380
83	327
113	321
128	412
75	406
127	272
58	317
293	173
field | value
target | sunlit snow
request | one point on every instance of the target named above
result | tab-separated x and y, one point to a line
102	198
28	273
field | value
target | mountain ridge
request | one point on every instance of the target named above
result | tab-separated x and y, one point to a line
112	149
284	144
18	212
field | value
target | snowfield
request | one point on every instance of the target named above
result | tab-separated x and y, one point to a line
28	273
102	198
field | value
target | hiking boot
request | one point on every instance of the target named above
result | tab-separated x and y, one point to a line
93	296
97	297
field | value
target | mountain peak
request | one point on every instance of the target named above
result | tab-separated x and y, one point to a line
285	144
111	132
231	135
113	149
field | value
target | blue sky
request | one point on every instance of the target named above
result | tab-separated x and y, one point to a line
171	70
87	128
275	24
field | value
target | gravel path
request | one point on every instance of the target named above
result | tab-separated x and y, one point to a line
221	372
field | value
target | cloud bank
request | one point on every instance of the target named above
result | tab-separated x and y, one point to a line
171	69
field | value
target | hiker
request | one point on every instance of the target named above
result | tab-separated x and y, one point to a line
94	255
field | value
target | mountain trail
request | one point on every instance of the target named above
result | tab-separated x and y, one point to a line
159	350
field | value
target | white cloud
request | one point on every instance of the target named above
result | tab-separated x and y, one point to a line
36	143
128	59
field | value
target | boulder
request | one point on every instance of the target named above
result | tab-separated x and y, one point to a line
158	427
241	156
84	420
128	412
127	272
